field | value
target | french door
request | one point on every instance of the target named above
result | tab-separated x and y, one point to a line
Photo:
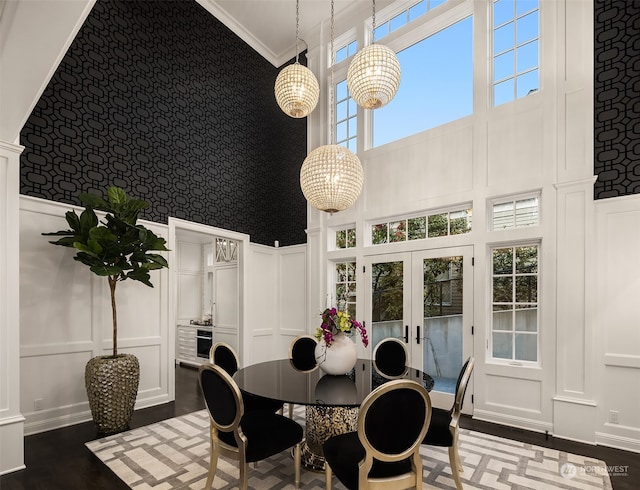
424	298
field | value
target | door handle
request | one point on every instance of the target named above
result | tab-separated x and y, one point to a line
406	334
417	334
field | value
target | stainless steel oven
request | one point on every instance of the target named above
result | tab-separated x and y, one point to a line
204	341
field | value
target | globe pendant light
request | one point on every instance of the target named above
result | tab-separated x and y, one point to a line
373	76
331	176
296	88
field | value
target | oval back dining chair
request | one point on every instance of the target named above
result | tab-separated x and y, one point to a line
222	354
390	357
244	436
444	427
302	354
385	450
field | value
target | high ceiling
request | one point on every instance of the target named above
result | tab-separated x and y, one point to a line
269	26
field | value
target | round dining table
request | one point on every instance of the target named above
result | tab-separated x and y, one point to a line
331	402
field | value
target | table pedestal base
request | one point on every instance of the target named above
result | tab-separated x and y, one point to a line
322	423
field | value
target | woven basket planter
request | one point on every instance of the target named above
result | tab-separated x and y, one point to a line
112	387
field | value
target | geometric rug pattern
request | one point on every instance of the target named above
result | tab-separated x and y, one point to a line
174	454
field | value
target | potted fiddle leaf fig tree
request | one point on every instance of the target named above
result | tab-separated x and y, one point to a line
118	249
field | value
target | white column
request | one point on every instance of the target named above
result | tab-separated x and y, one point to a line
11	420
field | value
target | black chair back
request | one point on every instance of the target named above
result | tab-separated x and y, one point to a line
390	357
221	396
302	353
222	354
394	419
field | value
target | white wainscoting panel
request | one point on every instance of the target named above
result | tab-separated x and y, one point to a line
293	294
515	150
262	309
50	282
618	321
189	299
513	395
443	156
57	400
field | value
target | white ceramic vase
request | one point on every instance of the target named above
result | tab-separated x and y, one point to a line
338	358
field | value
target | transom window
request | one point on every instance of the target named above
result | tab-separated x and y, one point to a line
345	51
346	238
516	35
515	213
428	226
404	17
226	250
514	292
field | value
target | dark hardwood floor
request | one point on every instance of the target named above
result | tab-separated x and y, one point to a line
58	459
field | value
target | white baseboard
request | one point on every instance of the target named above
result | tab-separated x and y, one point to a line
618	442
513	421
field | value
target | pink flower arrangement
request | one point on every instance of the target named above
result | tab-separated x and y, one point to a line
335	322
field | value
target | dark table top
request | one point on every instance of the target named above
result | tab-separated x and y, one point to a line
280	380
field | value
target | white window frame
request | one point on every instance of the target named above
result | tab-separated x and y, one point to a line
490	330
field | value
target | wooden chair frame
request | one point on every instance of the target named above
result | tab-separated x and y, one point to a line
454	456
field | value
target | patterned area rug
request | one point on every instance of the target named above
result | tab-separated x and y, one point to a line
174	454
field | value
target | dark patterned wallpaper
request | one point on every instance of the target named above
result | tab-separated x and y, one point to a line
160	98
617	97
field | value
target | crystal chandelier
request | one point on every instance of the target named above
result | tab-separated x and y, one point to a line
373	76
331	176
296	87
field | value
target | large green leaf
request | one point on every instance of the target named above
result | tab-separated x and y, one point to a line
94	201
104	270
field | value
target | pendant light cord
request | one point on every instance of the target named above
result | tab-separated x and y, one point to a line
297	26
332	88
373	23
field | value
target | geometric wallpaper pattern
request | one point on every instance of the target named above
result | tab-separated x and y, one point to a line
160	98
617	97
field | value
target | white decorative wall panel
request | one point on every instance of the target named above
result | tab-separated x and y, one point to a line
622	394
513	394
190	256
134	320
578	161
188	301
618	320
620	288
41	377
515	151
572	327
292	291
152	381
51	281
432	166
261	324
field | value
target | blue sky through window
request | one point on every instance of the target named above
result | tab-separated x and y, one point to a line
433	90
